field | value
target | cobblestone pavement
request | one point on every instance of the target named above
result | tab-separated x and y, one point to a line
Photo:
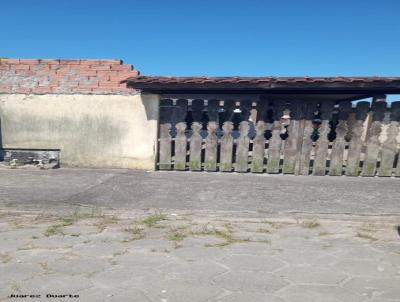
190	255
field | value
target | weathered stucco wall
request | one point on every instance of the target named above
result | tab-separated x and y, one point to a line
116	131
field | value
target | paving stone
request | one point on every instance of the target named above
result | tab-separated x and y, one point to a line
250	297
136	260
311	274
252	263
387	288
201	241
121	276
80	230
318	293
180	291
38	255
250	248
296	242
148	245
114	295
367	268
196	254
56	242
78	265
55	284
100	249
250	281
200	272
15	272
12	245
361	252
300	256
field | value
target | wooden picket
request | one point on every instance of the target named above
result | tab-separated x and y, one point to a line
338	147
293	142
373	143
322	144
356	143
303	165
280	137
257	165
165	141
275	142
389	147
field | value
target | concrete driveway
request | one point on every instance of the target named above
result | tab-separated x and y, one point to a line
121	235
130	189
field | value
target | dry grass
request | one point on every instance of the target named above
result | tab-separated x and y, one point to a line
310	224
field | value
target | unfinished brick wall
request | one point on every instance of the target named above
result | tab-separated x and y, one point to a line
43	76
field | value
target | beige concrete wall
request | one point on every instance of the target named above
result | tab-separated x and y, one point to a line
114	131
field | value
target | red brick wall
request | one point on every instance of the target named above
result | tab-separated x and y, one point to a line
41	76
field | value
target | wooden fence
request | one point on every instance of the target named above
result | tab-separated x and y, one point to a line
301	138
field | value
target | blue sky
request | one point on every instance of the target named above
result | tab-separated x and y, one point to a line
204	37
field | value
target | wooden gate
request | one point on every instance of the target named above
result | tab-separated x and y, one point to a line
301	138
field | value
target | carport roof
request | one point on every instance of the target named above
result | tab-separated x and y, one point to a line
366	86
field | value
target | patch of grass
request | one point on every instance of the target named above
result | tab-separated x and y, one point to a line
15	287
324	233
327	246
176	236
5	258
275	225
264	241
63	222
136	233
311	224
152	220
44	266
366	236
263	211
53	230
227	234
105	222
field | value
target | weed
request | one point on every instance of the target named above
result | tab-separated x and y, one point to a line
324	233
63	222
15	287
275	225
53	230
152	220
5	258
311	224
176	236
135	232
366	236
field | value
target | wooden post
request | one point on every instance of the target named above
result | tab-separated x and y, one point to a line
356	142
293	142
336	164
242	148
226	148
373	143
210	163
389	147
165	144
303	165
322	144
275	142
180	147
257	164
195	148
180	138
